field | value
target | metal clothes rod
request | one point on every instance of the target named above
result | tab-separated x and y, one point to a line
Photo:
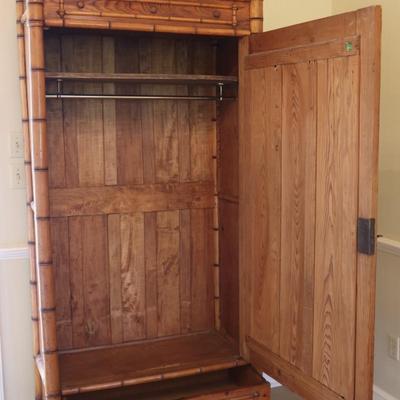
135	97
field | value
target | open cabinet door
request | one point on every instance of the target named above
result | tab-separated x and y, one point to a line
308	185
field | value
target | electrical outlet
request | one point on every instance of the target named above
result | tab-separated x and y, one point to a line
394	347
17	176
16	145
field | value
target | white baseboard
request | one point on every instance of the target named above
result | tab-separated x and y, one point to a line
380	394
17	253
272	381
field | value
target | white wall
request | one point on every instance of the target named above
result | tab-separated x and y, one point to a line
15	327
280	13
387	371
16	330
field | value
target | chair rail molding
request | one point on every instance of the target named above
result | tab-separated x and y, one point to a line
390	246
14	253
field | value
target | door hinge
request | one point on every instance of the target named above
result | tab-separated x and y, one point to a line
366	236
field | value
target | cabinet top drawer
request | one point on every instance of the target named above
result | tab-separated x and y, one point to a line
221	17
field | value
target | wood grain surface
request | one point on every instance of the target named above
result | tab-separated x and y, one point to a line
85	371
217	17
132	193
299	215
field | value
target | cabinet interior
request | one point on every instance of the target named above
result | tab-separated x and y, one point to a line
144	208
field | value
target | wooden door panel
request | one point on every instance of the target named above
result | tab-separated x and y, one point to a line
336	221
265	185
298	213
301	184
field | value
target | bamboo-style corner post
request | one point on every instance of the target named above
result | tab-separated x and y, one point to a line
34	56
256	16
29	196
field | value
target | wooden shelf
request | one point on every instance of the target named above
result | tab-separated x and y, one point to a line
144	78
146	361
235	383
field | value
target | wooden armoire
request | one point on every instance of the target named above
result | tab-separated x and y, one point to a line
201	199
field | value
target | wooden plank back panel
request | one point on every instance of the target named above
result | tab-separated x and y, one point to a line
168	238
133	191
128	117
133	276
89	281
59	233
313	176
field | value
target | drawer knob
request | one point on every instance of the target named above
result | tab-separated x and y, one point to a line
80	4
153	9
217	14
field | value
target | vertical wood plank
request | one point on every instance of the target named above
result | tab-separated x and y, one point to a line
228	167
96	280
244	199
129	117
69	121
202	116
369	27
55	142
90	143
202	272
114	263
133	276
165	115
185	270
298	214
83	123
183	115
145	61
264	209
168	242
59	237
54	119
89	124
150	249
336	211
77	282
109	114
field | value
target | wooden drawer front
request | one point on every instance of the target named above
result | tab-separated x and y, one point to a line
241	383
198	17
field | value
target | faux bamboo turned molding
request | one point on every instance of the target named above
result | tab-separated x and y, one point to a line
142	27
219	19
256	16
33	19
29	196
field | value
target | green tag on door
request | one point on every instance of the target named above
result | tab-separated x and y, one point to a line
348	46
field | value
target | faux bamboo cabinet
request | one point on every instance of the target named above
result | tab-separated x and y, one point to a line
201	199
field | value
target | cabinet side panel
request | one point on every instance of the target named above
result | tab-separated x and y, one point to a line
228	195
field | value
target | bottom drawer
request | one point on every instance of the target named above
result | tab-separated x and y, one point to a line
241	383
